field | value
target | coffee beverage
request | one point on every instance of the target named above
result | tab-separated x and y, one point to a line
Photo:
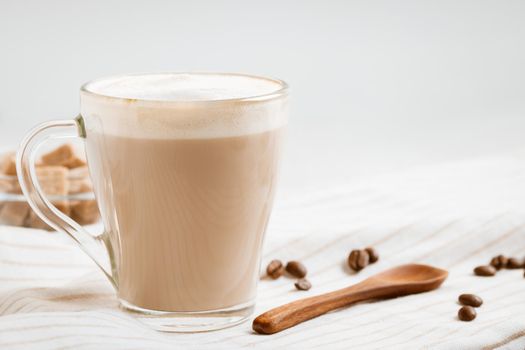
190	215
184	171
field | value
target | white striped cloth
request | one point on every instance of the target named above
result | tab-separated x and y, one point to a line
453	216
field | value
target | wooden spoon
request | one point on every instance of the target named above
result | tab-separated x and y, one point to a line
399	281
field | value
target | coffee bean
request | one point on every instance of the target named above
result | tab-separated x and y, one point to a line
372	254
470	300
499	262
275	269
467	313
515	263
296	269
358	259
485	271
303	284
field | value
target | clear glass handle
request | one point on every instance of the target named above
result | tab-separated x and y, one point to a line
25	164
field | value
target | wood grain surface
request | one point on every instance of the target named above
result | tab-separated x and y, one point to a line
455	216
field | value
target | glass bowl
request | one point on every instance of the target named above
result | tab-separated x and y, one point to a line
76	200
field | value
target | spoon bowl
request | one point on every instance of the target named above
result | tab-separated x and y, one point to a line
416	276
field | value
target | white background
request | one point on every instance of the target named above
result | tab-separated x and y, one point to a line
377	85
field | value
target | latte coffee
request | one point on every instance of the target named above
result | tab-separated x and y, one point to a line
184	171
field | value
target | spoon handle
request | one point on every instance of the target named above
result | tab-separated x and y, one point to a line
291	314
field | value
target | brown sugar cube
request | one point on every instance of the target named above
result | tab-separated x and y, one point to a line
15	187
53	180
7	185
59	156
79	173
74	162
14	213
85	212
64	208
10	185
79	180
33	221
8	164
79	186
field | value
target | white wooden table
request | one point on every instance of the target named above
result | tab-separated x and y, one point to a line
455	216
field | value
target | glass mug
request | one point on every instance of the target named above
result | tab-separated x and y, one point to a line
184	168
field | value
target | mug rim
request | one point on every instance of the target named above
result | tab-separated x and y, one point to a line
282	89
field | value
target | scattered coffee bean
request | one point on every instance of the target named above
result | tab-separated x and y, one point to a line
515	263
486	270
296	269
470	300
358	259
303	284
275	269
467	313
372	254
499	262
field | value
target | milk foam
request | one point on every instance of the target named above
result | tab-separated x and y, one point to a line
183	86
176	105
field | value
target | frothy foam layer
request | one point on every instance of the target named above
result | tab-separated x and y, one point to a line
183	87
168	106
